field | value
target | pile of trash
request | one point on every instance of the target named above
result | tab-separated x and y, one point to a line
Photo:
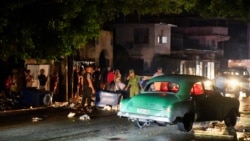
10	102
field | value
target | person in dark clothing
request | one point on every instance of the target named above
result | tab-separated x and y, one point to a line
88	88
75	82
42	80
97	78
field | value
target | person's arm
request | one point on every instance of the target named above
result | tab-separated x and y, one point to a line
91	84
128	84
139	82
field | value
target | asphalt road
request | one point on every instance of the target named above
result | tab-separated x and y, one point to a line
52	124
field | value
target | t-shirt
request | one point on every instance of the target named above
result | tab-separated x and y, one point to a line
86	77
134	81
110	77
42	79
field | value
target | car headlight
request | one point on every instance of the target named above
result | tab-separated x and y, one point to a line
233	82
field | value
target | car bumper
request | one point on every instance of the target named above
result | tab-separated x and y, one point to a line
144	118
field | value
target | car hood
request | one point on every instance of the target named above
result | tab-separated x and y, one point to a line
157	101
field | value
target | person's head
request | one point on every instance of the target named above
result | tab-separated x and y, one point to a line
117	71
89	69
108	68
131	72
42	71
27	71
159	69
98	68
75	68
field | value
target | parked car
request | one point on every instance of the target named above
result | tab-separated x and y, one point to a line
181	100
237	81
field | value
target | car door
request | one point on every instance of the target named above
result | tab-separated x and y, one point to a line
206	101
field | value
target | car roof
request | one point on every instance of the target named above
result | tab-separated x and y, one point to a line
178	78
185	82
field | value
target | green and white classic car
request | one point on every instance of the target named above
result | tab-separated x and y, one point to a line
181	100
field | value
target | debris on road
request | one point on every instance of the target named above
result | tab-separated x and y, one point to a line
84	117
71	115
36	119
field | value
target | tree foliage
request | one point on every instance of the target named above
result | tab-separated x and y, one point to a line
46	28
233	9
53	28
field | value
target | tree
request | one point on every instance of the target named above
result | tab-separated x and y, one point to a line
233	9
53	28
46	28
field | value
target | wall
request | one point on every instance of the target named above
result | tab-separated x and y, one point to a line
125	36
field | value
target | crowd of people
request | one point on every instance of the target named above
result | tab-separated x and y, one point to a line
89	80
17	81
86	82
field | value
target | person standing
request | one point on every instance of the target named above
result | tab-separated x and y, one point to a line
29	79
133	83
119	85
75	82
88	88
42	80
158	72
80	80
54	83
110	78
8	84
97	78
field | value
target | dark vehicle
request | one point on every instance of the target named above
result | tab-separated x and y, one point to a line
181	100
237	81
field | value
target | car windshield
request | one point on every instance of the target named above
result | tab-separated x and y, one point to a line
162	87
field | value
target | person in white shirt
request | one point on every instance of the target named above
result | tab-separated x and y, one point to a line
158	72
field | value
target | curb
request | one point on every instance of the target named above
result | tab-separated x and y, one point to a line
6	112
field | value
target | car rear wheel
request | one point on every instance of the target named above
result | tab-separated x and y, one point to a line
186	123
140	124
231	118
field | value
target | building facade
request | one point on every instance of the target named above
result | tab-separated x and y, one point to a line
193	50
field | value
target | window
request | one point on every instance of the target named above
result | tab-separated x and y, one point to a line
141	35
162	39
163	87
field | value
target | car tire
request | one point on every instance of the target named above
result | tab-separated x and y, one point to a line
231	119
186	123
140	124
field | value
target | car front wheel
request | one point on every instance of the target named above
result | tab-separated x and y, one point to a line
186	123
231	118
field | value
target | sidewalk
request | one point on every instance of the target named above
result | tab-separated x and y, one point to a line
26	109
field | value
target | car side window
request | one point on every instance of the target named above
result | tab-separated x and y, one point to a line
208	87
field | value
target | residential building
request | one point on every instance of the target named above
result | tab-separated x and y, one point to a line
188	50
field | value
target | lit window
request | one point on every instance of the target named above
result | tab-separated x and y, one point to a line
162	39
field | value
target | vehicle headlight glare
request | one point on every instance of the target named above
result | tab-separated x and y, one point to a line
233	82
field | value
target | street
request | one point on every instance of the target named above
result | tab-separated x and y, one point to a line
103	125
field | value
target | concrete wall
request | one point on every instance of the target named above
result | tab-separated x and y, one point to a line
93	49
